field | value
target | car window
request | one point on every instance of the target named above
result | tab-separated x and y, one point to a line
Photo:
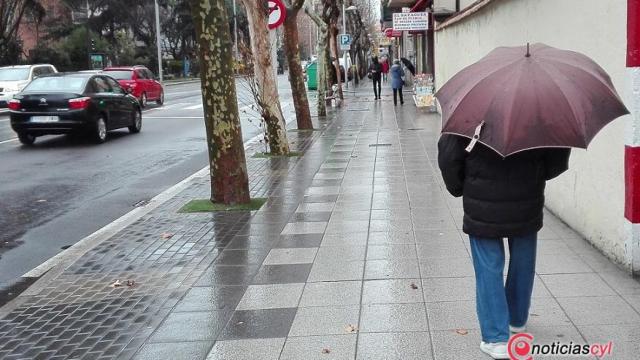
13	74
56	84
101	85
46	70
149	74
37	72
141	74
92	87
115	86
120	74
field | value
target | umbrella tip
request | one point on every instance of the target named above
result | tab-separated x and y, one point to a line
527	54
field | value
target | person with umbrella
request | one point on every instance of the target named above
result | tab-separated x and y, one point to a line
509	122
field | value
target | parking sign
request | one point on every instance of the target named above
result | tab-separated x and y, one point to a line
345	41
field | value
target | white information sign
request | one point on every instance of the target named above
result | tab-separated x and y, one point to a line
411	21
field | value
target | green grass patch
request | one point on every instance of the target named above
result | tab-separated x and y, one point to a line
261	155
205	205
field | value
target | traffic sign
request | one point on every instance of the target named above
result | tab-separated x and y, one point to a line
277	13
345	41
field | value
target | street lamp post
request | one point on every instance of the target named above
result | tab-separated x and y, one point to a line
158	40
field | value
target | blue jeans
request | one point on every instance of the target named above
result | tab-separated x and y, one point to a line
497	304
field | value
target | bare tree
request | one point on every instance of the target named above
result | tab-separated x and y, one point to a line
296	77
323	66
257	14
228	170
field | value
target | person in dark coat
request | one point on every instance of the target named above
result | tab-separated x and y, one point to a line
397	82
375	73
502	198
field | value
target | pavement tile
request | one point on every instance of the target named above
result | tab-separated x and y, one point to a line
394	346
304	228
282	274
393	318
299	241
561	264
449	289
340	253
227	275
392	269
248	241
342	239
286	256
242	257
192	350
315	207
449	345
347	226
584	284
334	293
271	296
336	271
452	315
320	347
210	298
447	267
441	249
331	320
250	349
191	326
621	282
391	252
392	291
258	324
385	238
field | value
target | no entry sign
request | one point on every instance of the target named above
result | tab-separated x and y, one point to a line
277	13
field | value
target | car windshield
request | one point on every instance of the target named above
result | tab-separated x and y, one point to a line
56	84
14	74
120	74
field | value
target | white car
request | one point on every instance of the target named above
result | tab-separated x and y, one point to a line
14	78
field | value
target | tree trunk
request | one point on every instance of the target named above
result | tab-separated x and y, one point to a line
265	76
228	169
296	77
335	55
322	63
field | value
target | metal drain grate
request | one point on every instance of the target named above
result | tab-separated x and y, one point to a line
372	145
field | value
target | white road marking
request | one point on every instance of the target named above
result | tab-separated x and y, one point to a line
194	107
8	141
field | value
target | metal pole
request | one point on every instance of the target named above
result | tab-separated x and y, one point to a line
158	41
235	31
88	37
344	52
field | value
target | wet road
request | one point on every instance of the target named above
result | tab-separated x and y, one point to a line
60	190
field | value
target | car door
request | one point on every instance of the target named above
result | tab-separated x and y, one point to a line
121	103
142	79
155	84
107	102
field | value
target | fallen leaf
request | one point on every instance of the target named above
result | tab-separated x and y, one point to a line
130	283
240	323
413	286
41	200
462	331
351	328
116	283
167	235
326	351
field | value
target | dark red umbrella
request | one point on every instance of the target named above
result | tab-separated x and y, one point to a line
518	98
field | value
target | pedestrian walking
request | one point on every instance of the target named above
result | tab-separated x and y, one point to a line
397	82
375	73
507	129
385	69
502	197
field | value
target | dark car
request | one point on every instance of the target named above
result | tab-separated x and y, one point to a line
73	103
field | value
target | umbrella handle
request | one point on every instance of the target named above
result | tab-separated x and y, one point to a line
476	137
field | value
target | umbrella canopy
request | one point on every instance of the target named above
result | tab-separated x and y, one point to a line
408	65
517	98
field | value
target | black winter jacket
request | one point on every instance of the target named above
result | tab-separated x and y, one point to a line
502	197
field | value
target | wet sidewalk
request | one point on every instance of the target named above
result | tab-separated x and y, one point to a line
358	253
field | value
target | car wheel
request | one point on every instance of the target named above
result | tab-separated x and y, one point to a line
100	130
26	138
160	100
137	122
143	100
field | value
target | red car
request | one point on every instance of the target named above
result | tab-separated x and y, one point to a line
139	81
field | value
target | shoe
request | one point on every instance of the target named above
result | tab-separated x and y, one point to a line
402	103
495	350
517	329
